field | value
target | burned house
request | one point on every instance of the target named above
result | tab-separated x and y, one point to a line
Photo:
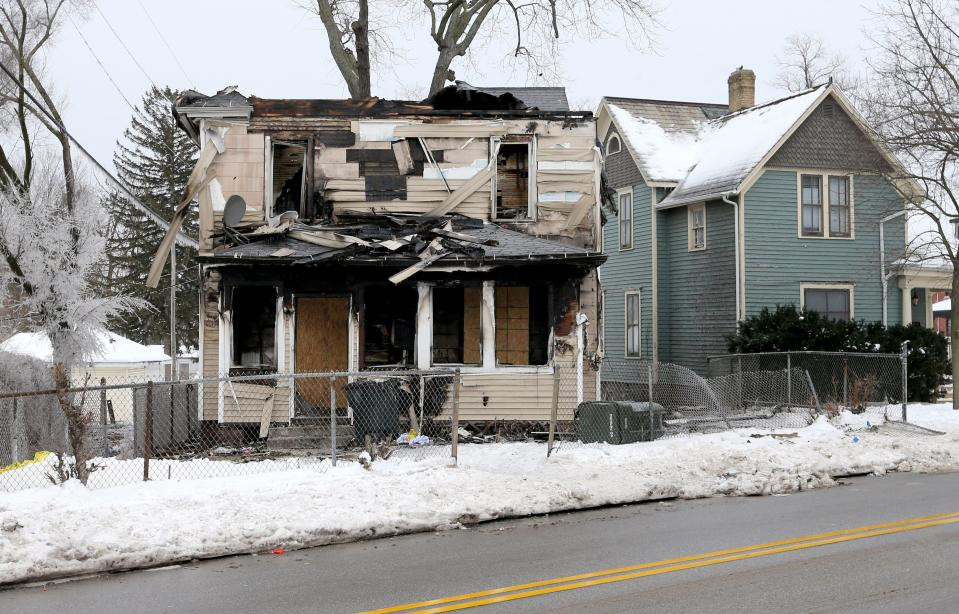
351	235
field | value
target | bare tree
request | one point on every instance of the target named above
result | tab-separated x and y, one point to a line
456	26
913	101
806	62
52	229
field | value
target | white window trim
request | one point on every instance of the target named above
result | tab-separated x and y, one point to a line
424	337
632	220
690	210
824	197
609	145
639	322
803	286
532	191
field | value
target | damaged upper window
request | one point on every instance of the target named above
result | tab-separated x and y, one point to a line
513	198
254	326
288	165
457	337
389	325
522	325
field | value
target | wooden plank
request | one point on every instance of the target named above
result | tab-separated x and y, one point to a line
266	416
322	344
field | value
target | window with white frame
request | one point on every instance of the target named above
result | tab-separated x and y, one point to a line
625	214
613	145
633	318
831	301
696	222
825	205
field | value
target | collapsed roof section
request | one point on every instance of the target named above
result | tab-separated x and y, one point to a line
459	100
412	243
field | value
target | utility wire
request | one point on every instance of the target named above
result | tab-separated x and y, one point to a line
124	45
181	238
166	44
102	67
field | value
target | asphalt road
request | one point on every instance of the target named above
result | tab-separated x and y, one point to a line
911	570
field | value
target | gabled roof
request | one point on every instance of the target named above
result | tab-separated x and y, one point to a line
707	154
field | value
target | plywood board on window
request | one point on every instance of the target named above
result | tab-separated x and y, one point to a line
472	318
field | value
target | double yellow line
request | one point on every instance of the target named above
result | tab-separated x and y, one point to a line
632	572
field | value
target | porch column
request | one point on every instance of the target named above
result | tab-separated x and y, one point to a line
424	326
488	324
906	305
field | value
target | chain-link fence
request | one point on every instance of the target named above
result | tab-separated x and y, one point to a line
857	382
118	433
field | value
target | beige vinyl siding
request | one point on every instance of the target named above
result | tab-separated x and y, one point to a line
209	369
239	170
121	398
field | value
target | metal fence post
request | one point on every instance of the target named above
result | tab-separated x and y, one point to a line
333	419
904	359
103	417
554	410
845	381
148	432
789	381
649	371
455	420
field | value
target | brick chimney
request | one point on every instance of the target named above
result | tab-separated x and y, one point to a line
742	89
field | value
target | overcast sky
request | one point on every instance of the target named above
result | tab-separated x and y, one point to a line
275	49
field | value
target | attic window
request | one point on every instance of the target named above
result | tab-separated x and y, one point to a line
613	146
513	198
288	159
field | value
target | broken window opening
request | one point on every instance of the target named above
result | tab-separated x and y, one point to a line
288	176
522	325
254	327
457	334
512	196
389	325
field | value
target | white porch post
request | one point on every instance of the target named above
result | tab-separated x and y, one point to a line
488	325
906	304
424	326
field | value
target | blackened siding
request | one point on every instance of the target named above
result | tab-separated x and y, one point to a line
697	289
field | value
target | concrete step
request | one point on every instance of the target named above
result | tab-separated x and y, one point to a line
307	437
304	443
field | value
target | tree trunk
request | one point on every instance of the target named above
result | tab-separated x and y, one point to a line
441	71
361	30
954	335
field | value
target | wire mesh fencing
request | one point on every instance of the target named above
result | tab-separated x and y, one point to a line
857	382
118	433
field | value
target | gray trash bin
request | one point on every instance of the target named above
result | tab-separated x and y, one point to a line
376	405
618	422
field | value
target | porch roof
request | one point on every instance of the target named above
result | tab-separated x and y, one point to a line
494	245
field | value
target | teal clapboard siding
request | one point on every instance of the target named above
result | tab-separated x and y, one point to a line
628	270
697	290
778	260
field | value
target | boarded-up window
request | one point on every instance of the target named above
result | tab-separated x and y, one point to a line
288	175
522	325
512	182
254	326
389	325
457	337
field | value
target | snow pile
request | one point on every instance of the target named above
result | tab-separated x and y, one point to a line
112	348
70	529
667	155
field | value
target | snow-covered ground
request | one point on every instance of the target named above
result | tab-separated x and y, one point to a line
56	531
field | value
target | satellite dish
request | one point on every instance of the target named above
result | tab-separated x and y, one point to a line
233	210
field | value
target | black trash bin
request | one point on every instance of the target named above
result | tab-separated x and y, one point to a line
377	405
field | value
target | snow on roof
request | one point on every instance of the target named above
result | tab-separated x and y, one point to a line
943	305
666	155
733	145
113	348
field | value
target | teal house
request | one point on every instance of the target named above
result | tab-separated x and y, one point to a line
723	209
